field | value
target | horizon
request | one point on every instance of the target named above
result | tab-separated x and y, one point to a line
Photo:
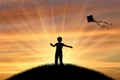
28	27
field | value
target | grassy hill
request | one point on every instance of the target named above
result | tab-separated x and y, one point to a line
58	72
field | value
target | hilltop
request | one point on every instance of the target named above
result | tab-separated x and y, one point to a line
60	72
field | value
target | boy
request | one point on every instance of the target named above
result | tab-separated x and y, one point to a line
59	46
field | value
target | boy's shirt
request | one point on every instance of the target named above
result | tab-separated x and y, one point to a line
59	46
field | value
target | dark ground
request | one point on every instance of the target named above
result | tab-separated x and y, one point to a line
65	72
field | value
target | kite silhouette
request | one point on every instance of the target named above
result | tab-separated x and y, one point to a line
58	53
90	18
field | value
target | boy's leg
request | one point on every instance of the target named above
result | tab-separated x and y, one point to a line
61	61
56	59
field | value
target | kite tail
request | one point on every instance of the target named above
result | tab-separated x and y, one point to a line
98	23
104	22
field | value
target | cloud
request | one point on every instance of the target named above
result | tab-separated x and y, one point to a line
37	19
114	57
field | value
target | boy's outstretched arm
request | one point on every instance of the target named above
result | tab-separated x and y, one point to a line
68	46
52	45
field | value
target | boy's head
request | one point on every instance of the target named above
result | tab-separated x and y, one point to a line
59	39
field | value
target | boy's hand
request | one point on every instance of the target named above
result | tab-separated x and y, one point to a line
51	44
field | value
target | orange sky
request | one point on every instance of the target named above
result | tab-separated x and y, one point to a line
28	26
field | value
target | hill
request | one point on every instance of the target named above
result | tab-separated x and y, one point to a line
58	72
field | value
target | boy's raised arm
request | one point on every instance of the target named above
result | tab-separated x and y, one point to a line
53	45
68	46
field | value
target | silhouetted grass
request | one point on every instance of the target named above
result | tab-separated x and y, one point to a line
58	72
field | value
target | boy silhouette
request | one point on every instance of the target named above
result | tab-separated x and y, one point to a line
58	53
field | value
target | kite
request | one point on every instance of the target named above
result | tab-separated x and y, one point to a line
100	23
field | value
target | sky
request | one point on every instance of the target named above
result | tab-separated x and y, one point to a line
27	27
